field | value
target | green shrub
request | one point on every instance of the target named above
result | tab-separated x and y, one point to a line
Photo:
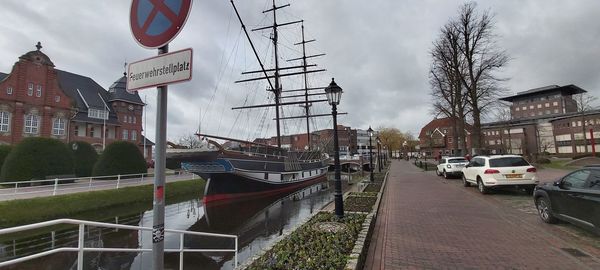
85	157
37	158
4	151
543	160
120	158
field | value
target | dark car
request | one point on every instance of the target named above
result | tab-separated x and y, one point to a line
575	198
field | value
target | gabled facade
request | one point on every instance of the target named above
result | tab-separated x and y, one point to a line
436	138
38	100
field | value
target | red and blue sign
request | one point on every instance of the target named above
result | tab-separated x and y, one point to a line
154	23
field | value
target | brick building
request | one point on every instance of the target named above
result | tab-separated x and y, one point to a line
38	100
437	138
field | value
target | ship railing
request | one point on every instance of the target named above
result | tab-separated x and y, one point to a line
81	248
57	185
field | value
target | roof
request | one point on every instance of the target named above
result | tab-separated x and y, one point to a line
83	117
37	56
118	91
531	121
570	89
84	90
439	122
148	142
2	76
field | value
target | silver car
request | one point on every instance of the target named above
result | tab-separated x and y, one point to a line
451	166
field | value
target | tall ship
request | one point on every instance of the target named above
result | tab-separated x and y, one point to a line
260	168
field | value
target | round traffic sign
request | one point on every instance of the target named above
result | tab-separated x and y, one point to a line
154	23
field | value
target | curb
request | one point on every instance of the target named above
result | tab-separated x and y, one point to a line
356	259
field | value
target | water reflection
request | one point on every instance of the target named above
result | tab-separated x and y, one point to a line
257	222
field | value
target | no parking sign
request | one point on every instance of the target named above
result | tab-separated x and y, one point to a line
154	23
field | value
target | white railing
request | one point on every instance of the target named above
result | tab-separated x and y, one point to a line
57	186
81	249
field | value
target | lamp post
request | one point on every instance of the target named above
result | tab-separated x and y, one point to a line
370	130
378	153
334	94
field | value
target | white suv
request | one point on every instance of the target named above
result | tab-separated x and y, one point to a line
489	172
451	166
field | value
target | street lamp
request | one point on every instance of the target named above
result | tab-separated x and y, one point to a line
334	94
378	153
370	130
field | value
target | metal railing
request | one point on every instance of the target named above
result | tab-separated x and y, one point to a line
81	249
57	186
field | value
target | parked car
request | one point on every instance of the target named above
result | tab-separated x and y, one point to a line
491	172
574	198
451	166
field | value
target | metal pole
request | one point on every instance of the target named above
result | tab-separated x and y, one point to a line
80	245
371	157
339	203
158	225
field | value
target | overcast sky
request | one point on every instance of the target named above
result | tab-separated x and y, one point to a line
377	51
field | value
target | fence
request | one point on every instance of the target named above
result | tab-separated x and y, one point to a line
81	249
67	185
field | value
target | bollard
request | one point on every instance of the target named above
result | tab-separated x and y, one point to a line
425	165
55	186
420	164
118	180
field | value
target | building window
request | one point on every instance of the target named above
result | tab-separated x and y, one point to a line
524	108
517	109
539	106
133	135
4	121
125	134
555	103
58	127
32	124
98	114
9	91
547	105
38	92
92	131
30	89
539	112
547	112
130	120
57	99
531	107
134	120
124	118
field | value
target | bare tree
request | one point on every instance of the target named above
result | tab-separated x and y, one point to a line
447	91
190	141
482	59
585	103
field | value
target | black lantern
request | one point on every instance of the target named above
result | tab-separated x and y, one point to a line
370	131
334	94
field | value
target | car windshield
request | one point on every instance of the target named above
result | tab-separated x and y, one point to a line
457	160
508	162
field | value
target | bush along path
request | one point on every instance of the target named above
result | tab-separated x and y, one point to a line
326	242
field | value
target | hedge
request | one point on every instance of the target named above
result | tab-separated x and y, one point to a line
120	158
4	151
37	158
85	157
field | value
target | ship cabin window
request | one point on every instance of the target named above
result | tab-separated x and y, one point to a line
266	176
310	173
281	177
293	176
302	174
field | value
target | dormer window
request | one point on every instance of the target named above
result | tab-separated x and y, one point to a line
30	89
98	114
38	92
9	90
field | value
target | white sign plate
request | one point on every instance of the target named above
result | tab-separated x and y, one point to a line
160	70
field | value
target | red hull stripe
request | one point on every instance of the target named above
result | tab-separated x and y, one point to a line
237	196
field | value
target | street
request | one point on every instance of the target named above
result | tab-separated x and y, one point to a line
426	221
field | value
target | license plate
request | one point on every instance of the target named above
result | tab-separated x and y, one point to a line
513	175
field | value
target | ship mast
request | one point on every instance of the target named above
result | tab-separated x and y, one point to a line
277	90
306	105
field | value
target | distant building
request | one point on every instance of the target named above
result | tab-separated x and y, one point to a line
37	100
436	138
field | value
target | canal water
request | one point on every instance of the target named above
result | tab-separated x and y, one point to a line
257	222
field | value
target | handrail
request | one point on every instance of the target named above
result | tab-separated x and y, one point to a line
80	249
54	186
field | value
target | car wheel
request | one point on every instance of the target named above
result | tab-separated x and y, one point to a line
437	172
481	187
446	174
545	210
465	182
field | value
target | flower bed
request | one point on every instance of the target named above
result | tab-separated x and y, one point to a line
360	203
312	248
373	188
364	194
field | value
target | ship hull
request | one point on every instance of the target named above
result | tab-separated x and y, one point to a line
233	175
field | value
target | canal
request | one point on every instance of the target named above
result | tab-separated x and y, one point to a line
257	222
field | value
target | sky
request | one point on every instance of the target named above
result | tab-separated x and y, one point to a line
377	51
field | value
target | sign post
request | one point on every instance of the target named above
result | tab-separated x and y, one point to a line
153	25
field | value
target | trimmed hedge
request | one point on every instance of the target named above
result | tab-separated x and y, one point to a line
85	157
37	158
4	151
120	158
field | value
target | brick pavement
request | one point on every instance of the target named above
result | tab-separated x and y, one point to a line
426	223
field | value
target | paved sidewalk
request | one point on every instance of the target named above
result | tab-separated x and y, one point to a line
427	223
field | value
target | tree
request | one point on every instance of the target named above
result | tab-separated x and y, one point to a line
85	156
120	158
191	141
37	158
585	103
480	60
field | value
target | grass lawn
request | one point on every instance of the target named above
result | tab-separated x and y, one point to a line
26	211
558	164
